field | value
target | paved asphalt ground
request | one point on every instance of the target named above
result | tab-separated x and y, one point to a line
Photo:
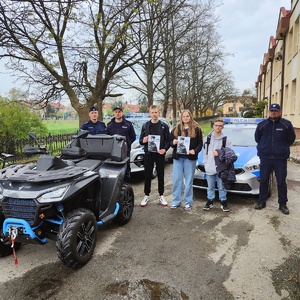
163	254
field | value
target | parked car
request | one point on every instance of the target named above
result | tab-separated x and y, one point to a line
137	151
247	167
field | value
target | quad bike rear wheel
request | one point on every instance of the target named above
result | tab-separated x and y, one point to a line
77	237
126	203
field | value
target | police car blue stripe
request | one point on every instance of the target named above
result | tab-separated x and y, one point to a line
244	154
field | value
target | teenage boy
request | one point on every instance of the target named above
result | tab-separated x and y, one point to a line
209	152
155	127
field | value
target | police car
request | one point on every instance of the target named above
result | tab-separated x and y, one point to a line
137	152
247	167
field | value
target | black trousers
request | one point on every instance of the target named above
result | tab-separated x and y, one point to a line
280	168
149	161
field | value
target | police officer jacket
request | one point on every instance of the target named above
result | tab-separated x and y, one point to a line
124	128
94	128
274	138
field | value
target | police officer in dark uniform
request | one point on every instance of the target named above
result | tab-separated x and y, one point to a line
119	125
274	136
93	125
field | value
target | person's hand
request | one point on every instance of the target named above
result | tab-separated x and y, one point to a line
145	139
175	142
215	153
162	151
192	151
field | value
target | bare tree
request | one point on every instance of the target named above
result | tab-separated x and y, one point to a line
70	48
220	89
83	49
149	43
159	42
200	80
177	26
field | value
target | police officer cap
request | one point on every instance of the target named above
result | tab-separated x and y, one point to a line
93	108
275	106
118	107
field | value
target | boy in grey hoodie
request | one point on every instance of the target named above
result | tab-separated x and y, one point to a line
209	152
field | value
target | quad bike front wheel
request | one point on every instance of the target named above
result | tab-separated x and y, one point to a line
77	237
126	203
6	249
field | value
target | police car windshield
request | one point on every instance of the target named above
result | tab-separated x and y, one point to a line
137	125
240	135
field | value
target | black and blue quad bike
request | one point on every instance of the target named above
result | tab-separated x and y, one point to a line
65	198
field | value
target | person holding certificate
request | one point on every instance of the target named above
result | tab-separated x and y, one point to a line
186	139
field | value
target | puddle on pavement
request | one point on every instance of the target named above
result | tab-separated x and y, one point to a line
286	277
44	289
145	289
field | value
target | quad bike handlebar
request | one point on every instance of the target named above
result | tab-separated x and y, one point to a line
4	157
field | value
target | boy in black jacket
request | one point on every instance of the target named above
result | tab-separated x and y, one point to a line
155	127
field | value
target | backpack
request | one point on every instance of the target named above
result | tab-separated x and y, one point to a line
224	138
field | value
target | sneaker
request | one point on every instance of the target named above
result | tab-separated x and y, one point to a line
209	204
145	201
284	209
163	201
173	206
224	206
187	207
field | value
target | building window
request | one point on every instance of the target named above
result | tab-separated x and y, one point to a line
295	36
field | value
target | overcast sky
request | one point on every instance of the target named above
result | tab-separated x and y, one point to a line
245	27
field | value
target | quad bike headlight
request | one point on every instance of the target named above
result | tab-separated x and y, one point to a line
53	195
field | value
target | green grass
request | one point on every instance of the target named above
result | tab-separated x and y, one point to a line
206	127
71	126
56	127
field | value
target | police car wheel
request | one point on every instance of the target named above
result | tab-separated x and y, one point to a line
154	173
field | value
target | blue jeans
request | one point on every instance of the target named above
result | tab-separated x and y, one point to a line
183	168
211	189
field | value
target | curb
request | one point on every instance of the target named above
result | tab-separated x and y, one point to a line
294	159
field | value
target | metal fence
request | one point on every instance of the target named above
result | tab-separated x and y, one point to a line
16	147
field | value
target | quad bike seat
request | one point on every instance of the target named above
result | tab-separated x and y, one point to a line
90	164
